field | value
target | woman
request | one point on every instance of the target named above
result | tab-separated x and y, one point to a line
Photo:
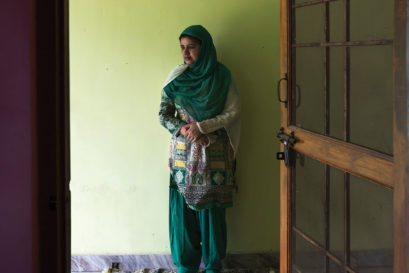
205	135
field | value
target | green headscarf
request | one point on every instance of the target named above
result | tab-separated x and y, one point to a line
202	89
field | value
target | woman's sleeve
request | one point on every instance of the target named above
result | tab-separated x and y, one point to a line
230	113
167	115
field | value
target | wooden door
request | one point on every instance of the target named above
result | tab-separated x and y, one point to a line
344	94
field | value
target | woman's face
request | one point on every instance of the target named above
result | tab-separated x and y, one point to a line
190	49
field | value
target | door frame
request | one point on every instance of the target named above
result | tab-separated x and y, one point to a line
51	195
390	172
401	136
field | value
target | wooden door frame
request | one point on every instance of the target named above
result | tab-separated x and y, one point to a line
285	185
51	228
394	172
401	137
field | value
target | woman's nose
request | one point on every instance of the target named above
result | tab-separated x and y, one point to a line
186	52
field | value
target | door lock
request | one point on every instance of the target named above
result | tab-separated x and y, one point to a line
288	141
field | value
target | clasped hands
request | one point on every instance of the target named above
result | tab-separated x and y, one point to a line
191	132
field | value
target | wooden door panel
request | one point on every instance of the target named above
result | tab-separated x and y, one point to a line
357	163
329	206
321	219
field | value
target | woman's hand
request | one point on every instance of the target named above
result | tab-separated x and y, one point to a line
184	129
193	132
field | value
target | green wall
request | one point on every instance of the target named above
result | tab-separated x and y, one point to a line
121	52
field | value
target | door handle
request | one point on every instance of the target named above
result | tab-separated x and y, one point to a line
278	90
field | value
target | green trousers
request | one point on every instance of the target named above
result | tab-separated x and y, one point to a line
194	234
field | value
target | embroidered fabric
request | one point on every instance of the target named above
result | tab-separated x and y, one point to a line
203	174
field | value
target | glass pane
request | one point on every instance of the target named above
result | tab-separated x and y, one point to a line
336	213
309	198
336	92
371	97
336	21
309	88
371	19
334	268
371	226
306	257
309	24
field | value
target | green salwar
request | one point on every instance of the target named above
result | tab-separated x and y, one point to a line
196	233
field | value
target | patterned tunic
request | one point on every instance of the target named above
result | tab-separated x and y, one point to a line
203	174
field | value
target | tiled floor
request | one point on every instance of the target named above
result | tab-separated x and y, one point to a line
224	271
92	263
170	271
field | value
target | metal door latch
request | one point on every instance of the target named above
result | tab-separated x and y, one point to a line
288	141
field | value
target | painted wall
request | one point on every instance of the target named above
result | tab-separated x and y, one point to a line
16	138
121	53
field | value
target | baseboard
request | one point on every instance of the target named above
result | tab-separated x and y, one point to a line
95	263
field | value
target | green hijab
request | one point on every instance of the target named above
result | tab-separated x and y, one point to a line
202	89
